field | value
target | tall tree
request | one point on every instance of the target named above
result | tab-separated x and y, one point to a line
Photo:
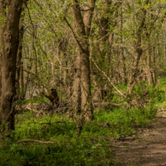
8	70
83	26
138	45
2	19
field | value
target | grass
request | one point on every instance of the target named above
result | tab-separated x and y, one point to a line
91	148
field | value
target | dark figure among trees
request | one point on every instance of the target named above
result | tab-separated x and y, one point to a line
53	97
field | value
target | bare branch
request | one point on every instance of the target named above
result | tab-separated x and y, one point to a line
36	141
55	122
108	79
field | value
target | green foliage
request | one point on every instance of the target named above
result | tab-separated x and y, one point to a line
68	149
91	148
36	99
162	83
74	151
149	92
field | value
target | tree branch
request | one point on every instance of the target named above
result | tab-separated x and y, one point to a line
108	79
37	141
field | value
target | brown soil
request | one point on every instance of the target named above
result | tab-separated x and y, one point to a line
149	149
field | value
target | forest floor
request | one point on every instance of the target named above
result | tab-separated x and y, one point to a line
148	148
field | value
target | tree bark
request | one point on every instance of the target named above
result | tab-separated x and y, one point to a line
8	70
138	51
83	26
123	59
19	65
2	16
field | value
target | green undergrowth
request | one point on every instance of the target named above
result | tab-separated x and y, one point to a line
93	147
36	100
161	104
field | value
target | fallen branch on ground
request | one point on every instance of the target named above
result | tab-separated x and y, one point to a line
54	122
37	141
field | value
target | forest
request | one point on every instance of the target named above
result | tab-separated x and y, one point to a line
79	78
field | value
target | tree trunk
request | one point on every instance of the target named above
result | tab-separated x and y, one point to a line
83	26
8	70
19	79
123	59
138	51
2	16
76	97
149	67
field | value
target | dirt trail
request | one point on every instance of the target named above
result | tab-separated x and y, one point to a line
150	147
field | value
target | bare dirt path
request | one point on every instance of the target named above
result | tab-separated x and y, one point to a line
149	149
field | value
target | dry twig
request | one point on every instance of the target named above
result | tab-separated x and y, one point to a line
108	79
37	141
